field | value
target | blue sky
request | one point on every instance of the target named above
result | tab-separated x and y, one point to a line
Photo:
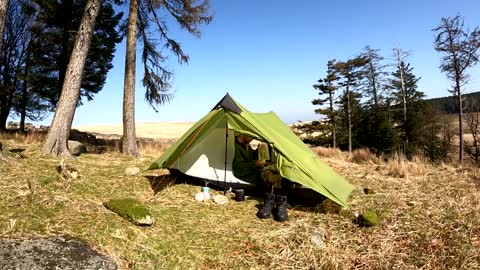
267	54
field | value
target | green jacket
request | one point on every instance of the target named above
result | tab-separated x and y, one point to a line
244	164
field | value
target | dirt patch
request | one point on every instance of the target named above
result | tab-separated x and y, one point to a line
51	253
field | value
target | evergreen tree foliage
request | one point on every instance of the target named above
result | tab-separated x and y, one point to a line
350	75
408	129
145	17
326	89
52	44
374	77
18	22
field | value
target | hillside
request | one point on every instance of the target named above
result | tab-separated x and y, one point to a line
449	104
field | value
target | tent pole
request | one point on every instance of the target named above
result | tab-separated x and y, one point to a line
226	152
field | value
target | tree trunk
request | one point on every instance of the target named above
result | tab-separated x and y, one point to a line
3	15
24	99
66	32
349	116
404	100
6	105
374	87
129	143
333	120
335	135
57	138
460	121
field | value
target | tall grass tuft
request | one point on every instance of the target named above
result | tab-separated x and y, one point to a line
328	152
399	166
363	156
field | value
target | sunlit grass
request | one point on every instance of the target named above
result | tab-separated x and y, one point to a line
430	217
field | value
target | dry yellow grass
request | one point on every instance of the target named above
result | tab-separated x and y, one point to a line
328	152
144	130
430	219
363	156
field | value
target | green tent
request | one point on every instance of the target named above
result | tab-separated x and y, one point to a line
206	150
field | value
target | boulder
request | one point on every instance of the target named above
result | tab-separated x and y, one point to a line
132	171
131	210
76	148
51	253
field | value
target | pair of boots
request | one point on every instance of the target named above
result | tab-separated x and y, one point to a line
279	203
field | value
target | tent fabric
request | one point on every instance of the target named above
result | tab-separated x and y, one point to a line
201	151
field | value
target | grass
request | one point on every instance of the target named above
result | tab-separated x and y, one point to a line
429	220
363	156
328	152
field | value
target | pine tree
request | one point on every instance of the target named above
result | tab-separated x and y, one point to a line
350	73
57	138
460	50
143	16
54	35
12	58
327	87
374	74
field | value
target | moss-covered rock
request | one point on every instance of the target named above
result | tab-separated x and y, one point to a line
330	207
131	210
368	218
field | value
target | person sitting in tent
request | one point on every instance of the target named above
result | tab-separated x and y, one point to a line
248	167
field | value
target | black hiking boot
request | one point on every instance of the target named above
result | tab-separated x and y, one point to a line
281	213
267	208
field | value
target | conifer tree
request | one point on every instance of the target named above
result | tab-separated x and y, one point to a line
145	16
327	88
350	73
460	50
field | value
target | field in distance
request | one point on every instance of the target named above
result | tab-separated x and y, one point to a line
163	130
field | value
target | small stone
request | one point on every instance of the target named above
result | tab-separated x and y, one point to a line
318	237
67	172
76	148
220	199
368	191
1	147
146	221
132	171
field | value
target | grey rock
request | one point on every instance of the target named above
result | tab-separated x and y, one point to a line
76	148
145	221
131	171
317	238
51	253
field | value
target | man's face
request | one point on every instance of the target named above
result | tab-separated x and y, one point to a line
244	139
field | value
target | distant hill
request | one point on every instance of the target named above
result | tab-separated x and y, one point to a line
449	104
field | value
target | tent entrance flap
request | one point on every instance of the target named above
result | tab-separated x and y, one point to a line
205	158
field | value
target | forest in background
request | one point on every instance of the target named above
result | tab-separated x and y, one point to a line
369	102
